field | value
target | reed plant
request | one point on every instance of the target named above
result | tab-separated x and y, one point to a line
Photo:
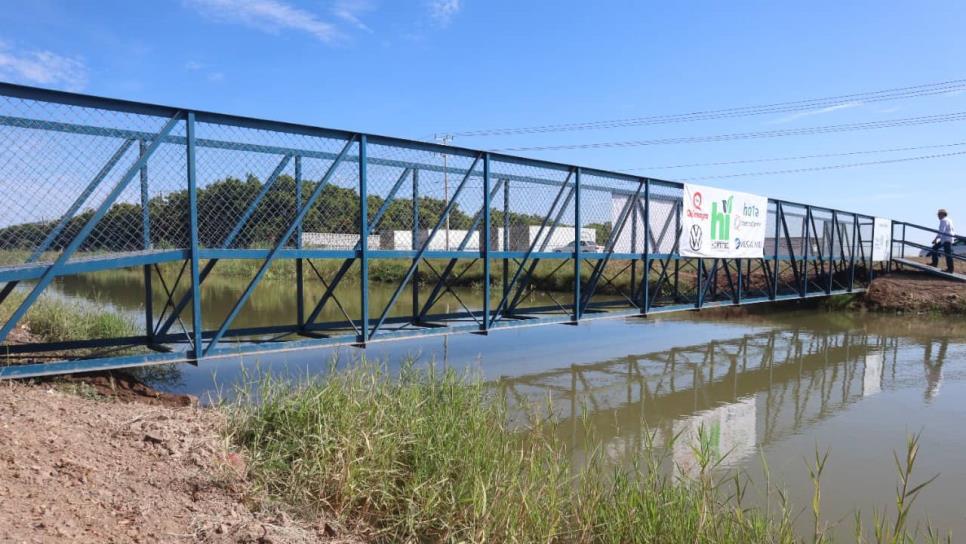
432	456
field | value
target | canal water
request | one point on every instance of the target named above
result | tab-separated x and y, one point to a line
763	389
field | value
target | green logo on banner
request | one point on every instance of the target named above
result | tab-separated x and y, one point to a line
721	220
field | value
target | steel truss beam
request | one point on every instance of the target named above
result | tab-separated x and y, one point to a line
659	281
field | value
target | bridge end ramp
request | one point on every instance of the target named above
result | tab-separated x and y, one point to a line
923	267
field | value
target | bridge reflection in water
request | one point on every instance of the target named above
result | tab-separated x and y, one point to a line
745	393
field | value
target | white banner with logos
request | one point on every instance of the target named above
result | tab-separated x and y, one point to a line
882	239
721	224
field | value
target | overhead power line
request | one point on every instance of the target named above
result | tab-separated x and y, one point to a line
827	129
830	166
809	168
900	93
795	158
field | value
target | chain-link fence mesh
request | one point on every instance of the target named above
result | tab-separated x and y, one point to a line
531	209
819	266
60	163
112	182
252	184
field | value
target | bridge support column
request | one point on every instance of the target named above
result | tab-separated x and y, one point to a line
415	244
299	272
196	327
777	265
854	249
146	240
485	244
363	245
646	273
831	254
506	238
576	313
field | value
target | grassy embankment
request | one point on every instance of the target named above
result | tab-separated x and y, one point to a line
431	457
55	319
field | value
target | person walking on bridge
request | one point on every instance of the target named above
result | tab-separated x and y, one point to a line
944	241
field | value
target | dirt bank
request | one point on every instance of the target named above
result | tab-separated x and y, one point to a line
914	292
898	292
92	469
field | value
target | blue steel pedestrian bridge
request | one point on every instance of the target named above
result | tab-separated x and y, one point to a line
360	238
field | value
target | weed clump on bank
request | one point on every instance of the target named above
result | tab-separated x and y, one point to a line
59	320
55	319
430	456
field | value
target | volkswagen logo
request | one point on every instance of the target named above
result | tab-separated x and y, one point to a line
696	237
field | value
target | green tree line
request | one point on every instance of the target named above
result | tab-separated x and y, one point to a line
222	203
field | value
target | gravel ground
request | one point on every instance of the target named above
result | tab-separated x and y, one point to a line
89	469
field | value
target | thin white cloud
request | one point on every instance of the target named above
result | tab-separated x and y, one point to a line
42	68
443	11
809	113
209	74
268	16
351	11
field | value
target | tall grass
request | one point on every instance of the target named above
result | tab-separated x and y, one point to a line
430	456
56	319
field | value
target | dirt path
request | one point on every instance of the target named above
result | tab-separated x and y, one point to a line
76	469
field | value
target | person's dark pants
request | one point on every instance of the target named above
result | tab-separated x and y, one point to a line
947	250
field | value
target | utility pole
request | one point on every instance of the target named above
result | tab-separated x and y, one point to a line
445	139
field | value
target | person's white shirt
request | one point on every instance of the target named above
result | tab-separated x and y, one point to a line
946	230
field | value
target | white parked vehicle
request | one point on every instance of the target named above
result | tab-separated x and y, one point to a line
585	247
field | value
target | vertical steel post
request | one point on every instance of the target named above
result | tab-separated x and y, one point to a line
634	214
506	236
646	273
677	244
299	275
870	266
415	244
892	245
715	271
740	284
146	238
363	244
576	312
196	331
775	275
485	244
748	269
831	253
805	250
855	238
903	241
700	298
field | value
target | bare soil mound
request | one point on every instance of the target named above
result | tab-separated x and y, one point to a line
78	469
123	387
915	292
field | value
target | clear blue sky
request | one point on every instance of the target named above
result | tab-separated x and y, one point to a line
419	68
